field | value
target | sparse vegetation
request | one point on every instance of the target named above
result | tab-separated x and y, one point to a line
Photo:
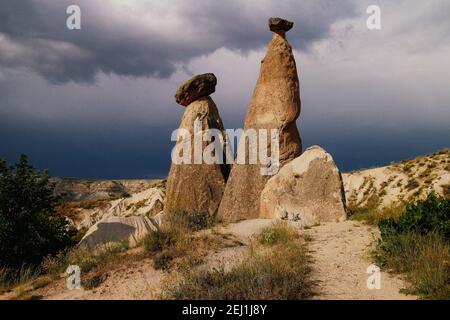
425	173
161	239
94	264
85	258
407	168
446	191
271	270
432	165
190	221
373	214
417	244
279	232
179	244
11	278
136	206
412	184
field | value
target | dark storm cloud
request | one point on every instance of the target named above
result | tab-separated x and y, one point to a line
367	97
80	150
147	38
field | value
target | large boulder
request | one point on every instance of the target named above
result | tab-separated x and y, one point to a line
117	229
196	186
195	88
309	190
275	105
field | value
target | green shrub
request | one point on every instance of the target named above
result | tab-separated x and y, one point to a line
29	227
423	217
417	244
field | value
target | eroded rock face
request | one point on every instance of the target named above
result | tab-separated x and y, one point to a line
275	105
148	202
117	229
196	187
309	190
195	88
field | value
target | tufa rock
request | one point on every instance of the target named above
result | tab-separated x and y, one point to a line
309	190
117	229
196	187
275	105
280	25
148	202
195	88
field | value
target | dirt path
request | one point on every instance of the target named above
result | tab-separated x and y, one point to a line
341	255
341	258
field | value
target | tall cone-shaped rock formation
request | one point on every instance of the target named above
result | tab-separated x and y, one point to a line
193	185
275	105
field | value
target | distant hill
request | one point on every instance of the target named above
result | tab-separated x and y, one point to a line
407	180
74	189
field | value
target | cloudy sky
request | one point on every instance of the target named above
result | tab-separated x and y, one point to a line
98	102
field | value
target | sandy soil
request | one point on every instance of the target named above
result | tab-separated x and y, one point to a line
139	282
341	253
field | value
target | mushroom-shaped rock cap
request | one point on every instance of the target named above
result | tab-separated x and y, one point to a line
280	25
197	87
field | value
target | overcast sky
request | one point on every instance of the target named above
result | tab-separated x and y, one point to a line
98	102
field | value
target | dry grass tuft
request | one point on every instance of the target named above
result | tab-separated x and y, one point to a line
276	267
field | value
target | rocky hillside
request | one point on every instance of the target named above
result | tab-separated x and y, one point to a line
408	180
73	189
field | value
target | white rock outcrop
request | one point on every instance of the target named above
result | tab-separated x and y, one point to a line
117	229
149	202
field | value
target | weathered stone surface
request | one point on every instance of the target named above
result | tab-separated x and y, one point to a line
195	88
197	187
308	189
280	25
275	105
148	202
116	229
